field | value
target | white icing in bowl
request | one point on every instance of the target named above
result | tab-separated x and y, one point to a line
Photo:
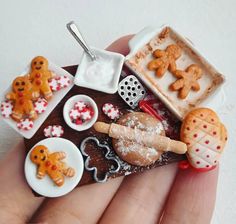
101	74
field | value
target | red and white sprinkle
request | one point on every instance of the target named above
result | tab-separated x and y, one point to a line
48	131
54	85
40	105
6	109
86	115
74	114
63	81
111	111
25	124
81	112
80	105
57	131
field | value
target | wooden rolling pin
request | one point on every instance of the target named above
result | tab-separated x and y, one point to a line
148	139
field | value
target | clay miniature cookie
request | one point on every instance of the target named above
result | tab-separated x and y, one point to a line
132	152
21	97
51	164
205	137
165	59
40	76
187	80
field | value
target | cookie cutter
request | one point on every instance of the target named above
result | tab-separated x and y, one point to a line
131	91
107	156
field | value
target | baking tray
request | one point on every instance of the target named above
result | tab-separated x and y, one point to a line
150	39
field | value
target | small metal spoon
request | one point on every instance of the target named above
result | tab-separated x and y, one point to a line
73	29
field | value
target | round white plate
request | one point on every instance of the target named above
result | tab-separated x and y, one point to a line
70	104
73	159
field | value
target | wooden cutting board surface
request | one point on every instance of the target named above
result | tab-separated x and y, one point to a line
97	154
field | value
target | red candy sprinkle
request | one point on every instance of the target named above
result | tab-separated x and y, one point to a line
48	163
54	167
81	112
198	162
78	121
38	82
218	147
204	126
197	150
195	135
207	141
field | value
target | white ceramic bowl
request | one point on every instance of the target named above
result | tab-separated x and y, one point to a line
45	186
70	104
113	60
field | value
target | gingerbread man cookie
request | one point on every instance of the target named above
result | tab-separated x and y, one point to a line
50	163
205	137
165	59
22	99
187	80
39	76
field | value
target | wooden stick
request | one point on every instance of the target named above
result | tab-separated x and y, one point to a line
148	139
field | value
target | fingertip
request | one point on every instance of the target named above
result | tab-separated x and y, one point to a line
192	198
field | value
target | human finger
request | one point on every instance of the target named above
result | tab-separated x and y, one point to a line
17	202
141	197
192	198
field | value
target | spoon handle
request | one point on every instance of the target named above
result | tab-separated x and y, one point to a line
73	29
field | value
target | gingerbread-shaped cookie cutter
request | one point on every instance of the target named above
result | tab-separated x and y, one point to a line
107	156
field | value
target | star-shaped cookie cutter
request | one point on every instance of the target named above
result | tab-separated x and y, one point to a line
107	156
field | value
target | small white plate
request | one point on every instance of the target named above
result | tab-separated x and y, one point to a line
45	186
70	104
57	97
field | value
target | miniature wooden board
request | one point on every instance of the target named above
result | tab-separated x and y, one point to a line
97	155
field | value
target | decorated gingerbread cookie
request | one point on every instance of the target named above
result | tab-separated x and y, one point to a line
39	76
51	164
205	137
187	80
21	96
164	60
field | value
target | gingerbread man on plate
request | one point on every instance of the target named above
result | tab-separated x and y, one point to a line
187	80
39	76
22	99
51	164
164	60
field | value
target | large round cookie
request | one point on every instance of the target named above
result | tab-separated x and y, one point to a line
205	137
133	152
